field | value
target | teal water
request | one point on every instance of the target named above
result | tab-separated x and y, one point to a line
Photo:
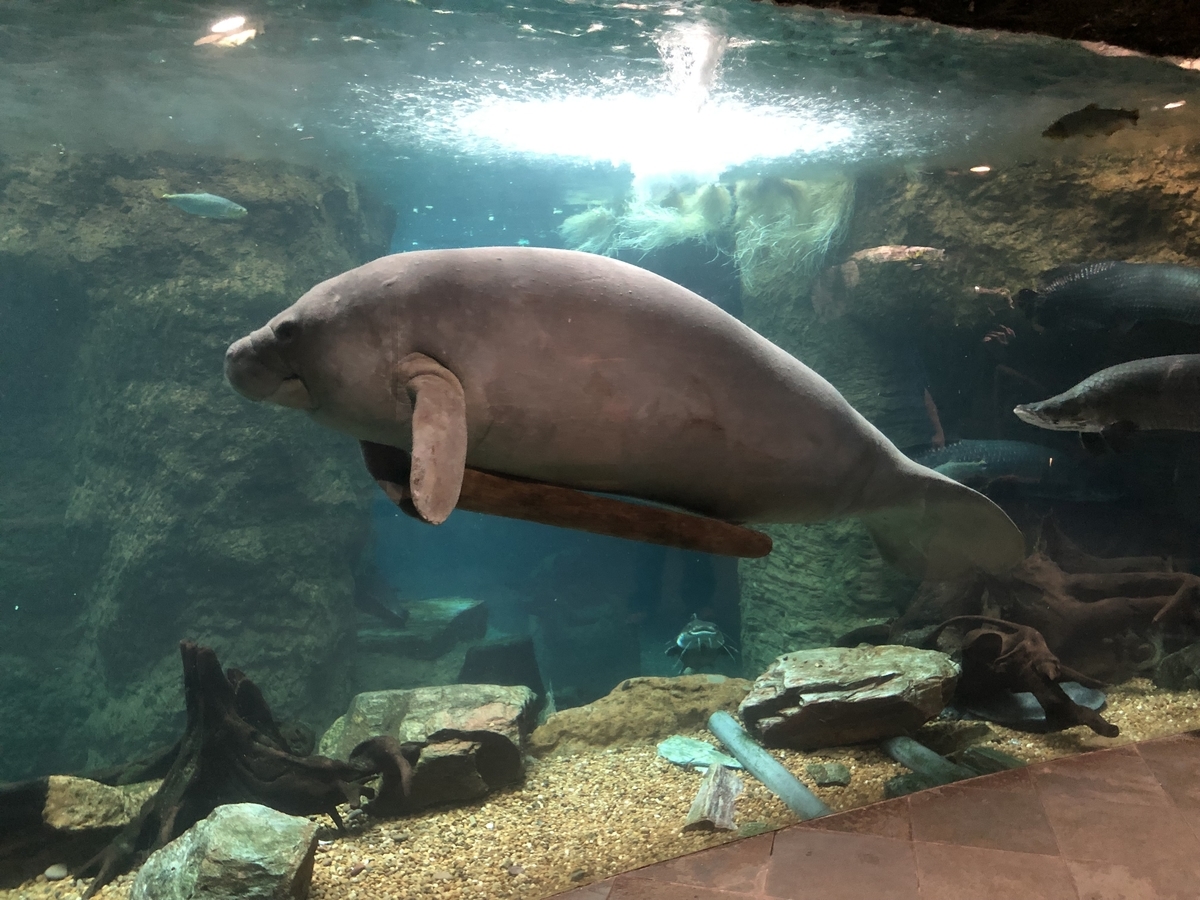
144	502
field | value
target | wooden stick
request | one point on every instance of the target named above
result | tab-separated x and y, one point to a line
713	808
535	501
550	504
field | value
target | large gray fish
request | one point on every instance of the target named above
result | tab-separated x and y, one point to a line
1113	294
482	377
1162	393
1036	471
1091	121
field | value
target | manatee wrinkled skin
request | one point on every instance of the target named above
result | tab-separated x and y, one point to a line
585	372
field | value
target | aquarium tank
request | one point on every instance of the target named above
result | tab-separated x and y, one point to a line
719	356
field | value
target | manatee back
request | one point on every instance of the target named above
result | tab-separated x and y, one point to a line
593	373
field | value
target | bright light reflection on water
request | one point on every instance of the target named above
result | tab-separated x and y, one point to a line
655	135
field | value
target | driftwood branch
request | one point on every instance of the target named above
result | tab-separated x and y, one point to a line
1099	617
232	751
714	806
549	504
999	656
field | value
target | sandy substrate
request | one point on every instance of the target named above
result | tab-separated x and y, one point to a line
584	817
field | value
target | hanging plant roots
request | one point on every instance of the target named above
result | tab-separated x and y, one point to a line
1073	617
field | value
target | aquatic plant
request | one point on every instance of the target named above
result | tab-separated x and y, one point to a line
651	224
699	215
592	231
783	231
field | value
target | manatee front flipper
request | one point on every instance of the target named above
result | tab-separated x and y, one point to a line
439	434
532	501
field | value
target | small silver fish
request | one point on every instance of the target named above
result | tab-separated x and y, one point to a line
208	205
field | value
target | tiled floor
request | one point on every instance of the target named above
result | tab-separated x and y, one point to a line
1120	824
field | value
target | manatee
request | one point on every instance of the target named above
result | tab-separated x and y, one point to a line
519	380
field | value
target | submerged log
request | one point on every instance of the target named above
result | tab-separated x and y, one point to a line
563	507
1098	617
715	805
232	751
1003	656
931	766
766	768
569	508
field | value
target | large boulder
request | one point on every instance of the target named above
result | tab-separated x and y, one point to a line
648	709
837	695
242	851
456	766
1179	671
417	713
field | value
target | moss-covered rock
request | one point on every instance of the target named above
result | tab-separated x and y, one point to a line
149	502
639	709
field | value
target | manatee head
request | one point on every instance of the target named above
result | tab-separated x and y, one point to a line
333	353
263	364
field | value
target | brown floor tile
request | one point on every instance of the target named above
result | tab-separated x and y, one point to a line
598	891
970	873
1191	815
887	819
825	865
1099	880
1175	763
1124	833
1017	780
631	887
1117	776
736	866
1111	816
973	817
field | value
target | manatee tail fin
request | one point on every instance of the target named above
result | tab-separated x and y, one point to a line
942	530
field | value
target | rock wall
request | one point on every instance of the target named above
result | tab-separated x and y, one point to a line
1127	197
143	500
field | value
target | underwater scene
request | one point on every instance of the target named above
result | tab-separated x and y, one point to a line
478	448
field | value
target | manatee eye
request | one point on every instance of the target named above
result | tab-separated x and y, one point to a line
286	331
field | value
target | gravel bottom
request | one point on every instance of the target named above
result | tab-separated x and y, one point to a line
584	817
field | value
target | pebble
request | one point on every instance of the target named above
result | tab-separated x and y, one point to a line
828	774
56	872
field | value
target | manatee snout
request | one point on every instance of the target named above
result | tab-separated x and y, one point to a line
257	371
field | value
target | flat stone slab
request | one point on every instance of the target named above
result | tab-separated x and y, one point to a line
838	695
685	751
647	708
416	713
